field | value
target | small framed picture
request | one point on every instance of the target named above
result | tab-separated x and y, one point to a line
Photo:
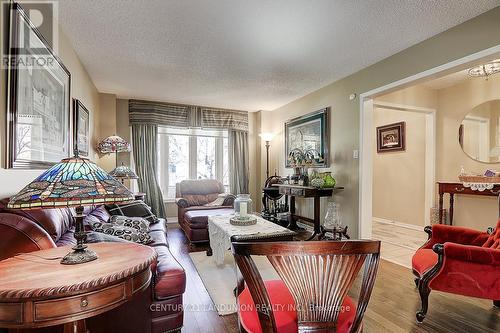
81	118
391	137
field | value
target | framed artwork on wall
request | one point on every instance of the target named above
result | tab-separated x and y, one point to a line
81	128
391	137
38	98
309	135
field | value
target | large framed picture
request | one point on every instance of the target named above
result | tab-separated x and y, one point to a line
309	135
391	137
38	99
81	128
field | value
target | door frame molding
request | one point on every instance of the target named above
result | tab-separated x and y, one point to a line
366	122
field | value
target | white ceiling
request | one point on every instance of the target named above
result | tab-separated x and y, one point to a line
451	79
248	55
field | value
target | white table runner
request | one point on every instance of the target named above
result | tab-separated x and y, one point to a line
220	232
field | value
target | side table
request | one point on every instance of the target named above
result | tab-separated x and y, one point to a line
37	291
459	188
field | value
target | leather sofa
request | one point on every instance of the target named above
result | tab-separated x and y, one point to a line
31	230
198	199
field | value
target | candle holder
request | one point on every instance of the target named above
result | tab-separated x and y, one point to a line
243	208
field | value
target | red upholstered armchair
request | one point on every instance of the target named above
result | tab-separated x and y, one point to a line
460	261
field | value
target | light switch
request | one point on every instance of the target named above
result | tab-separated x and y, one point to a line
355	154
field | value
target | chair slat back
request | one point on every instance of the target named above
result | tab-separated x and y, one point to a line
318	274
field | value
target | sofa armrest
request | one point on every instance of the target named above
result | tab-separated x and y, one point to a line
229	200
465	270
169	276
20	235
471	253
181	202
440	233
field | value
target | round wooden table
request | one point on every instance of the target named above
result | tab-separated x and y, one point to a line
37	291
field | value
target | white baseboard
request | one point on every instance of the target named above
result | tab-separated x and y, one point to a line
172	220
399	224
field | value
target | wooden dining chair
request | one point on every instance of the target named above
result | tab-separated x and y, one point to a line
312	293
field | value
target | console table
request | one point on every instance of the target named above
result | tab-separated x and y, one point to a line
306	192
37	291
459	188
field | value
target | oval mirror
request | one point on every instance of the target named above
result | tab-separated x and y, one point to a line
479	132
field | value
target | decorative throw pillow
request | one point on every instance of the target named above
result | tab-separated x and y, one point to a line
123	232
134	208
217	202
99	237
138	223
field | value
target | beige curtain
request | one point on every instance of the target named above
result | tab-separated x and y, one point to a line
144	139
238	162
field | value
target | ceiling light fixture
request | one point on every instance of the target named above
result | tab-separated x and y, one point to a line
485	70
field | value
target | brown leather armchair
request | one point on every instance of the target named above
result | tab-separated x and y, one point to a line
196	201
161	306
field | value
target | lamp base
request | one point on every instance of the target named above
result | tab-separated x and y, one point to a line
80	255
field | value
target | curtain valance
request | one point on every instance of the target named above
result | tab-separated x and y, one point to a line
179	115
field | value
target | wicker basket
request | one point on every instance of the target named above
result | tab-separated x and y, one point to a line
435	216
479	179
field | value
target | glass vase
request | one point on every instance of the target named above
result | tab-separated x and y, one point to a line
332	216
243	206
329	180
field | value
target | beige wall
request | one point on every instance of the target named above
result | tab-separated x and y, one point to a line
417	96
107	127
11	181
453	104
399	177
470	37
122	127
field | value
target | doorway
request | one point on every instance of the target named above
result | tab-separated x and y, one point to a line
403	191
367	139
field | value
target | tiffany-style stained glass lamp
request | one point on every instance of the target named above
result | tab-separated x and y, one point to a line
73	182
113	144
123	172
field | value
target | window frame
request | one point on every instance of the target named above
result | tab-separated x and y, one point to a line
163	161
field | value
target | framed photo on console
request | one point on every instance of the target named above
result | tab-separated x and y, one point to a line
81	125
38	98
391	137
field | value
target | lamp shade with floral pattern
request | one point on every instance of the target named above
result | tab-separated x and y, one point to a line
113	144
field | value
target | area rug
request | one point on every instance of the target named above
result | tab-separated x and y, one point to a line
220	281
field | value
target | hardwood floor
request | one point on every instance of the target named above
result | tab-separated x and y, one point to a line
392	306
398	242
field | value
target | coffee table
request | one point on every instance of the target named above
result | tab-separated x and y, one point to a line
220	232
37	291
